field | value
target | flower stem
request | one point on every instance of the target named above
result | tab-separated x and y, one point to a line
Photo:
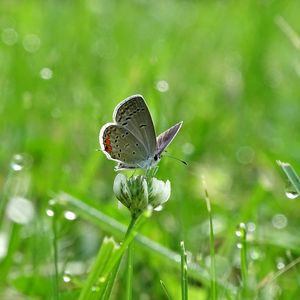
130	249
129	277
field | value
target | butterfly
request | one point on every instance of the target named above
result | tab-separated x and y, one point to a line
130	139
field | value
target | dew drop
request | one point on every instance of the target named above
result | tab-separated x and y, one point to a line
46	73
251	227
280	264
66	278
20	210
291	194
49	212
255	254
241	230
239	245
20	161
31	43
69	215
238	233
290	190
279	221
17	162
162	86
9	36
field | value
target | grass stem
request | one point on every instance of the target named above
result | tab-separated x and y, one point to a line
213	278
184	278
55	256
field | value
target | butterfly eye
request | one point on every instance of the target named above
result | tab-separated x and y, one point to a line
155	157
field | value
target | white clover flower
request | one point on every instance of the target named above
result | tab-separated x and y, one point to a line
159	192
137	192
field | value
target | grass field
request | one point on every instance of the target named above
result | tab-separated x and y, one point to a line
229	70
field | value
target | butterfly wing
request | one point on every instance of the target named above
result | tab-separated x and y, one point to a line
133	114
121	145
165	138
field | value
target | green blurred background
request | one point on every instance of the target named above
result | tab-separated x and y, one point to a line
228	69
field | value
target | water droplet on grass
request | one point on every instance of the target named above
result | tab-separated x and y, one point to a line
239	245
20	210
241	230
290	190
162	86
66	278
17	162
9	36
280	264
291	194
31	43
49	212
20	161
255	254
251	227
69	215
279	221
46	73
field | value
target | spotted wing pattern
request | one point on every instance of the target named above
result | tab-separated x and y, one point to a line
165	138
133	114
121	145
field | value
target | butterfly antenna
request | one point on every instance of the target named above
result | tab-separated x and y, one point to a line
176	158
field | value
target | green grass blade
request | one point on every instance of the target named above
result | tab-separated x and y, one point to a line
110	282
165	290
291	175
241	232
184	277
55	257
213	278
108	248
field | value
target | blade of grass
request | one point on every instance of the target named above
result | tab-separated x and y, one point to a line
108	247
184	278
165	290
213	277
55	257
291	175
242	234
111	281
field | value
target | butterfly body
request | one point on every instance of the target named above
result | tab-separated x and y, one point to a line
130	139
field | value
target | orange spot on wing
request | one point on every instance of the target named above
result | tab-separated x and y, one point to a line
107	145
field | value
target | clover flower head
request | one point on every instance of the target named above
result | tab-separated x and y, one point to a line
138	192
